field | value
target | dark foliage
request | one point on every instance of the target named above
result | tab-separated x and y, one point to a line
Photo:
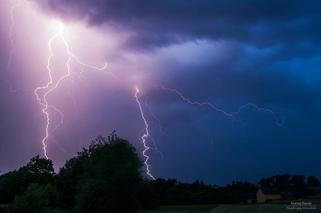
36	199
313	181
172	192
297	185
14	183
103	178
107	177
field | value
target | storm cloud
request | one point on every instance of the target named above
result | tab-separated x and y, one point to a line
228	53
160	23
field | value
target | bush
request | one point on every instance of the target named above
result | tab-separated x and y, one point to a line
37	199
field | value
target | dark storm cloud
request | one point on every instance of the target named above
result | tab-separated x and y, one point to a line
158	23
230	83
268	53
258	148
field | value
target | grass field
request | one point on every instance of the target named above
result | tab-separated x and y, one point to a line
264	208
183	209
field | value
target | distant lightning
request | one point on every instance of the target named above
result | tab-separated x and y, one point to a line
277	120
232	115
189	101
52	85
145	135
42	93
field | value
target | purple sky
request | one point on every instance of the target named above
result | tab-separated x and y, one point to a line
225	53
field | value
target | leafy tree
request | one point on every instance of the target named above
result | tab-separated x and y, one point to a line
266	182
282	182
103	178
148	196
298	181
36	199
240	191
9	187
313	181
38	170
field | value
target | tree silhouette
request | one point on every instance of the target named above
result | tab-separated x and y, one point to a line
36	199
313	181
106	177
103	178
38	170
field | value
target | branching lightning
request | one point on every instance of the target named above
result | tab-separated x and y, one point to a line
145	135
232	115
42	92
277	120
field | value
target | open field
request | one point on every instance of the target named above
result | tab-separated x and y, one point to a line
184	209
264	208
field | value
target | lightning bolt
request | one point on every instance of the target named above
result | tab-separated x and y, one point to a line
42	92
145	135
277	120
232	115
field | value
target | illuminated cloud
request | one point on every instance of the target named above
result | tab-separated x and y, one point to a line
160	23
224	52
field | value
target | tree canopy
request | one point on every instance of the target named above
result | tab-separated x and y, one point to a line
102	178
107	177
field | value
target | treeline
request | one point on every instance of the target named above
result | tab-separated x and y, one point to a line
172	192
107	177
295	185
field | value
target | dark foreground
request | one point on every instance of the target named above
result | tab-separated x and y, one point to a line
259	208
107	177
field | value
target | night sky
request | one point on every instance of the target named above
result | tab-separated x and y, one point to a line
226	53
